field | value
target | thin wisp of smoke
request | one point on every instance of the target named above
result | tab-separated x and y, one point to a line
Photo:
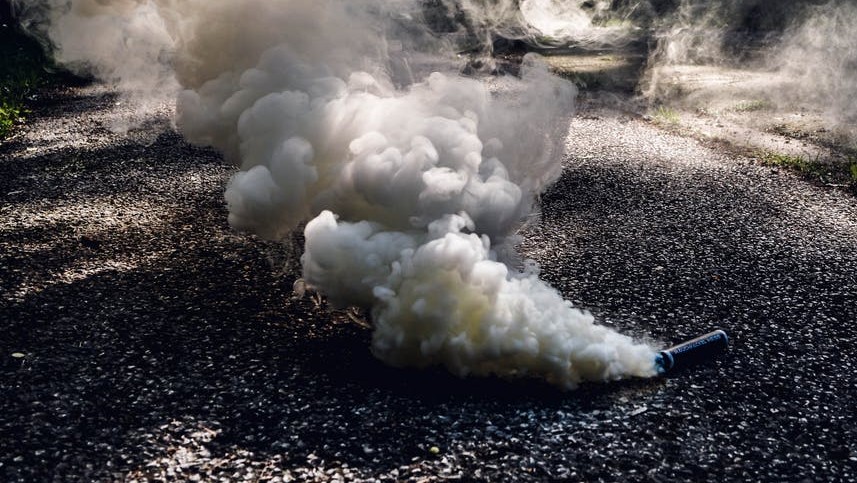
819	55
413	185
803	53
799	53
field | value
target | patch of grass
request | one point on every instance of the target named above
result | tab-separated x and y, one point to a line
832	172
796	163
24	68
9	115
751	106
666	116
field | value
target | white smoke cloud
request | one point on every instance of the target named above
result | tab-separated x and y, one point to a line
441	297
552	23
413	189
590	23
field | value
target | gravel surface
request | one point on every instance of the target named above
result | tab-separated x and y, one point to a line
142	339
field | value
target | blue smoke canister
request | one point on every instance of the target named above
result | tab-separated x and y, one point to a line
692	352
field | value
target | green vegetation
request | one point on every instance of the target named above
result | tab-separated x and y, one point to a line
9	114
796	163
23	70
666	116
752	106
836	173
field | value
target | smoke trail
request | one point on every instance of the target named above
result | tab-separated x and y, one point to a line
557	23
800	53
125	43
413	189
820	56
789	54
586	24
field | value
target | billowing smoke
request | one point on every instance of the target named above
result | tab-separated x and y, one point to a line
414	179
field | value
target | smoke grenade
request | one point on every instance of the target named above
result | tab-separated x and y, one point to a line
695	351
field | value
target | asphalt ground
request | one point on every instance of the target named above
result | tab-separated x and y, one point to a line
142	339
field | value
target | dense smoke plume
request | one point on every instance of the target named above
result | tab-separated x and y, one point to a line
413	182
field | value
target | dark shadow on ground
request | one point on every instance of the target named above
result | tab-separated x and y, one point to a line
119	168
120	367
217	343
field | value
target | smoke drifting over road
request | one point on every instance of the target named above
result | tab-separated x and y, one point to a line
125	43
414	185
790	53
820	56
804	51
